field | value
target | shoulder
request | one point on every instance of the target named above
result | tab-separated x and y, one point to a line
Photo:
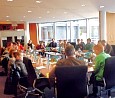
60	62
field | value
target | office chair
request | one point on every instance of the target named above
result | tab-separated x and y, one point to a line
32	85
109	75
71	82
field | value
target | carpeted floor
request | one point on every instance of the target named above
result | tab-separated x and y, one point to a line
2	82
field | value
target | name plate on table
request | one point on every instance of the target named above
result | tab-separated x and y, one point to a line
40	67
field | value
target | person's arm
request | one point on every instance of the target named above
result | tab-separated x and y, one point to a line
98	64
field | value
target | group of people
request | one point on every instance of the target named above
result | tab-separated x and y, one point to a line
102	50
99	61
12	55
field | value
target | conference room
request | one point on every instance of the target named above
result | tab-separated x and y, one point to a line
41	32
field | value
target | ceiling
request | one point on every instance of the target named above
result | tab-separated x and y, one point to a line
52	10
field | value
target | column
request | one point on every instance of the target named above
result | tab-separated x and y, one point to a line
27	34
102	25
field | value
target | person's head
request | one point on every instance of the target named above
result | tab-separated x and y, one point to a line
78	41
99	41
18	42
17	55
88	40
81	40
70	50
98	49
103	42
65	41
53	40
30	41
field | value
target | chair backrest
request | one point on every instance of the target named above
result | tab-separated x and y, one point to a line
71	81
30	69
109	72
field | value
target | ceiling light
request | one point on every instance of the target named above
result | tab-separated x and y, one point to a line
38	1
65	12
102	6
7	16
83	5
9	0
29	11
48	12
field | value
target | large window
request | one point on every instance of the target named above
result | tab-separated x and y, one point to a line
61	29
70	30
47	31
74	31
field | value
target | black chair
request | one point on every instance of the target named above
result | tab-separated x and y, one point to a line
71	82
109	74
32	85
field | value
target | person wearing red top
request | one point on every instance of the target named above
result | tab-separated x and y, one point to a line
20	47
40	46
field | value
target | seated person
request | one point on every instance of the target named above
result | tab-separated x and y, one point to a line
82	42
40	46
19	63
78	45
69	61
30	44
89	45
20	46
53	44
97	76
107	48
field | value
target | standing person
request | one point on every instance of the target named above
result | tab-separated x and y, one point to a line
69	61
97	75
53	44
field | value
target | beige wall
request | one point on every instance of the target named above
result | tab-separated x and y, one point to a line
111	28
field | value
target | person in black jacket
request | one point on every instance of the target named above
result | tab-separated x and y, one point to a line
53	44
107	48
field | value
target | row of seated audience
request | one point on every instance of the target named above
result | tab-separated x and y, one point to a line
79	45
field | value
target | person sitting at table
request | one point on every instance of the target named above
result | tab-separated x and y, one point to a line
99	61
19	63
78	46
107	48
40	46
20	46
53	44
89	45
30	45
82	42
69	61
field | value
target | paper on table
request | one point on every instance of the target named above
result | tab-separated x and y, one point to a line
40	67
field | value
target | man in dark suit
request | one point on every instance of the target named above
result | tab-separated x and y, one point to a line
53	44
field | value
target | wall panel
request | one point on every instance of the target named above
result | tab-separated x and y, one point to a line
111	28
33	32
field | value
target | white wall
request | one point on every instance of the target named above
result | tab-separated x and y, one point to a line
8	33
